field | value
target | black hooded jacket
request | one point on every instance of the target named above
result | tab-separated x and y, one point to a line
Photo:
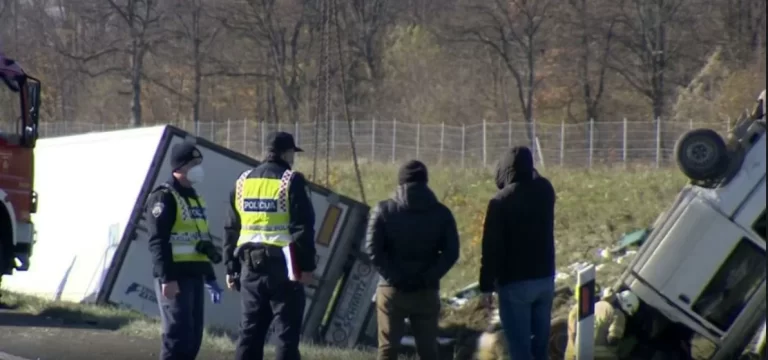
412	239
518	234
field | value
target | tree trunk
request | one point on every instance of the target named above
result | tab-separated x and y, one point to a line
198	81
137	68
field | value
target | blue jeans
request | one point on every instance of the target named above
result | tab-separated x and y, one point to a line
525	309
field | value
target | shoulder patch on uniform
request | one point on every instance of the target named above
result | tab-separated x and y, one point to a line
157	209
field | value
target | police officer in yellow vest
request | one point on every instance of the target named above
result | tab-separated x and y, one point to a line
182	252
270	213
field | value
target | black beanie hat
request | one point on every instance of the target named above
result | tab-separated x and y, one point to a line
182	154
413	171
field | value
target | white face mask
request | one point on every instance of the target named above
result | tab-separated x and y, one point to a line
195	175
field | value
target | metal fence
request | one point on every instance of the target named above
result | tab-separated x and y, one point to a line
574	145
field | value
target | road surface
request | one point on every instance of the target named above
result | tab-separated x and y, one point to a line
28	337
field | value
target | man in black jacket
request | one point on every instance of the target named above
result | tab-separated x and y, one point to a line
518	254
412	241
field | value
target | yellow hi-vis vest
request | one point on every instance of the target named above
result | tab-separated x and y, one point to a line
189	228
263	208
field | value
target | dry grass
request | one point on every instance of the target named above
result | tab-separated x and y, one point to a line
594	208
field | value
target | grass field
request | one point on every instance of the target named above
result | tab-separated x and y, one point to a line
594	208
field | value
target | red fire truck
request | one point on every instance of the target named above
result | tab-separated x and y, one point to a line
19	110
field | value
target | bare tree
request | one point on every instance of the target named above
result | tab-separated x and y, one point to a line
277	29
591	25
513	30
141	19
744	25
198	32
653	38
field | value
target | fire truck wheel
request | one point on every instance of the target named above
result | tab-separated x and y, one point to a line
558	338
701	154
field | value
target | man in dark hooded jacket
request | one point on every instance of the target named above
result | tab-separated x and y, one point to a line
518	254
412	242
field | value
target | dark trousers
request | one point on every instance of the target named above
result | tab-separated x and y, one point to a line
422	308
182	319
264	298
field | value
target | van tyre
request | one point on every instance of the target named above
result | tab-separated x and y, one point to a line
701	154
558	338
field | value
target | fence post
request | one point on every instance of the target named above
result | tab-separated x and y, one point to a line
245	136
485	143
591	140
534	150
463	143
690	124
509	133
728	125
353	129
333	138
658	142
562	142
263	137
229	125
373	140
442	142
418	137
296	132
394	139
624	142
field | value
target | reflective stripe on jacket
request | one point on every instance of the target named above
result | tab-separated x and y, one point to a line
263	207
189	228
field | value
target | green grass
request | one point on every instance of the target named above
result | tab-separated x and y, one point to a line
593	209
132	323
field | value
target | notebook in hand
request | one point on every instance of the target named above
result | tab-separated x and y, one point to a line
291	262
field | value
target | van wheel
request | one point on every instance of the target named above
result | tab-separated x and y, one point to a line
701	154
558	338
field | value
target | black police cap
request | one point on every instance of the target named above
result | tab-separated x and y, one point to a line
281	141
184	153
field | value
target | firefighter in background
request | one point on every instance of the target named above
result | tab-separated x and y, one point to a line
610	325
182	252
270	213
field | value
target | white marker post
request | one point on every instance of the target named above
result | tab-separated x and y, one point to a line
585	328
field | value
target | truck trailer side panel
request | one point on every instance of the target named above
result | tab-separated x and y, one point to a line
87	186
130	283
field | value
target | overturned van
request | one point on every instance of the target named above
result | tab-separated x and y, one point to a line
702	269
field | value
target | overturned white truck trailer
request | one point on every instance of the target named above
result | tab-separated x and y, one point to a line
92	245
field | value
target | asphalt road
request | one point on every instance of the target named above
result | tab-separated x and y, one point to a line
28	337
